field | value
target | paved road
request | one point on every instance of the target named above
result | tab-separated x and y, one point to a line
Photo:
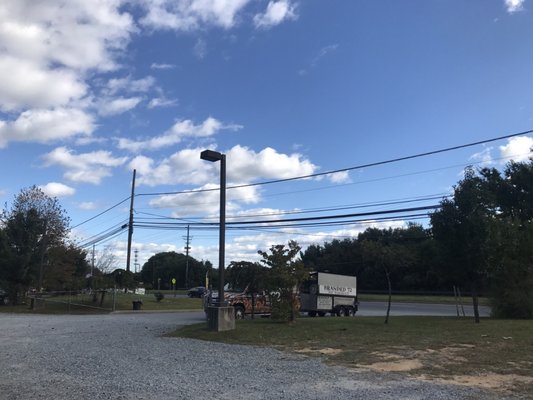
377	308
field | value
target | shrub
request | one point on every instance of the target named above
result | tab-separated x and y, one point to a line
159	296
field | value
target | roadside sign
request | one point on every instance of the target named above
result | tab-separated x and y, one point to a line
173	281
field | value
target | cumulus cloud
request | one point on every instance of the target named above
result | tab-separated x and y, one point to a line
247	165
186	167
55	189
44	126
206	202
275	14
180	130
47	50
517	149
513	6
189	15
26	84
88	167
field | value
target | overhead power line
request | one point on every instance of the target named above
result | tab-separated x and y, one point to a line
361	166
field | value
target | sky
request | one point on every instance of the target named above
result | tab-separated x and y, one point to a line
90	91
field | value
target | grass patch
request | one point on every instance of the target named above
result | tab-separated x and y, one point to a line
495	354
84	304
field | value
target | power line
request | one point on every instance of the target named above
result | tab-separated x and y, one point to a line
102	213
373	164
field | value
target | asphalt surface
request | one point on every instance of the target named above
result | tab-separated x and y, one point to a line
125	356
377	308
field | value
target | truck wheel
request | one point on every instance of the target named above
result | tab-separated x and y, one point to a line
341	312
239	312
312	314
321	313
351	312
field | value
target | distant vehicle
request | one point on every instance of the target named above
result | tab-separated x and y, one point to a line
198	291
329	293
4	299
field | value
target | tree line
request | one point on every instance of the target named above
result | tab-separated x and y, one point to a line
480	239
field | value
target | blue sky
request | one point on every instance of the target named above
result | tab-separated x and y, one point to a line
90	91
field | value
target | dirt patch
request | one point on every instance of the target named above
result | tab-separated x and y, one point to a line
394	366
326	351
486	381
414	362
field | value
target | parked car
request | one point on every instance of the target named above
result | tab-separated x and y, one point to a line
4	300
198	291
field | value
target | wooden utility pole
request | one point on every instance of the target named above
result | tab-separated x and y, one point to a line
130	224
187	248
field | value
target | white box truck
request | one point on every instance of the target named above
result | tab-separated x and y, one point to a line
329	293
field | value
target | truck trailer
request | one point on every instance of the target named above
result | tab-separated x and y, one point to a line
329	293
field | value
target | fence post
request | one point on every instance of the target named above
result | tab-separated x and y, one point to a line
114	296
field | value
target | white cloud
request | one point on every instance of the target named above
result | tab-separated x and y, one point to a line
275	14
174	135
484	157
55	189
514	5
517	149
24	84
162	102
118	105
206	202
247	165
162	66
244	165
44	126
88	167
189	15
129	85
339	177
200	48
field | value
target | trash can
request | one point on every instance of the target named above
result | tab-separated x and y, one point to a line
137	304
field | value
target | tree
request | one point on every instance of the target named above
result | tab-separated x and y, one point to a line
287	272
383	250
463	228
247	275
35	223
161	268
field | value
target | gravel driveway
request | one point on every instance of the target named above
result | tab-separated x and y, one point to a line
123	356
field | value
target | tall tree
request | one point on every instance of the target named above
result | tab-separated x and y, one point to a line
285	277
34	223
463	227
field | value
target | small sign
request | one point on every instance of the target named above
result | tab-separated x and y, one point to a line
173	281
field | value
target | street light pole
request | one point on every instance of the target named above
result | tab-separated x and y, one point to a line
225	318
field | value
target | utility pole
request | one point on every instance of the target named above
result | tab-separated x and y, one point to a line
92	270
187	248
130	224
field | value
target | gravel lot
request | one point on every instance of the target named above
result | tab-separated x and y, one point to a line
123	356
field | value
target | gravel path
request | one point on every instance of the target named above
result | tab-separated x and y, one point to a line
123	356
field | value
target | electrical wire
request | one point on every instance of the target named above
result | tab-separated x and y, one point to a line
361	166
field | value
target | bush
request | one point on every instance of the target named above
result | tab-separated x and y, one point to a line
159	296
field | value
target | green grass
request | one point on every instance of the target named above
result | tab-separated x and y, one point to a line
438	347
84	304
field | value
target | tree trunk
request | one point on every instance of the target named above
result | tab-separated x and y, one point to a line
390	295
475	303
253	305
